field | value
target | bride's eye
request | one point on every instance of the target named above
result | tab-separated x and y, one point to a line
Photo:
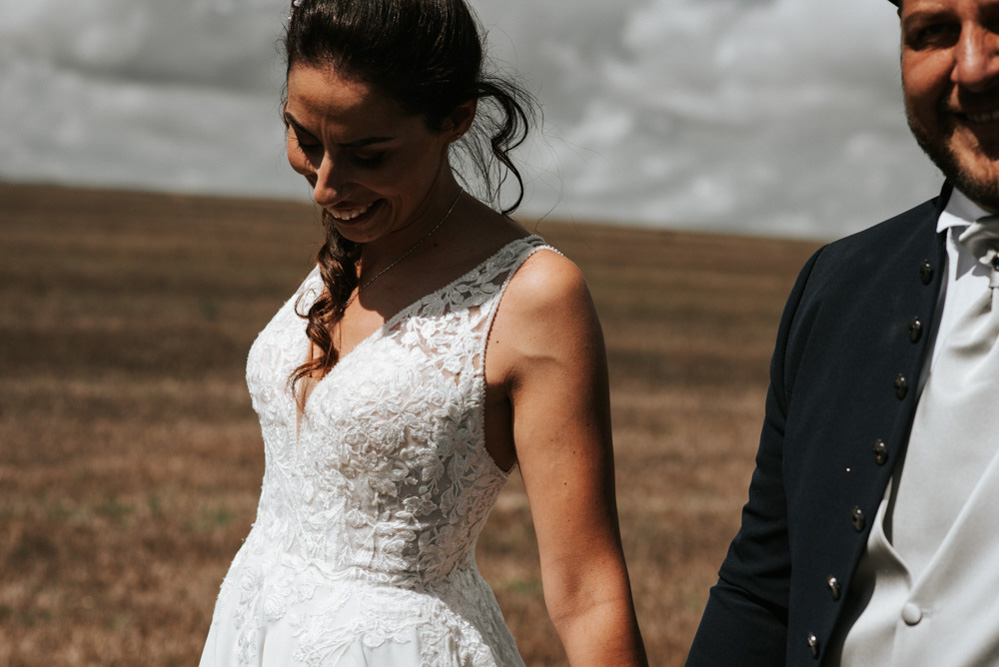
307	144
368	160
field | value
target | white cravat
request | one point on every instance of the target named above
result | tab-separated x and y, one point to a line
956	421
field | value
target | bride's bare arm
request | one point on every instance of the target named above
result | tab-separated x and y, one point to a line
546	342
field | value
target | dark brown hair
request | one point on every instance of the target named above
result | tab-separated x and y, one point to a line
427	56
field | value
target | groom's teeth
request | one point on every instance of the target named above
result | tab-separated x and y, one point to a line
350	215
984	117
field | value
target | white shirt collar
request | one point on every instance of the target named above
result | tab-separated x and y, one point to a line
960	212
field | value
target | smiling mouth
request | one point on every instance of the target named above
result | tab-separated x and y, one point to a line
982	117
350	214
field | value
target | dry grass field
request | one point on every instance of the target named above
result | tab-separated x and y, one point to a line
130	460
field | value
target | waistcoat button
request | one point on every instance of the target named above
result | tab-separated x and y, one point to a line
911	613
915	329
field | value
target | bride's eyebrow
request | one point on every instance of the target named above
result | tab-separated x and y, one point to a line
367	141
359	143
299	128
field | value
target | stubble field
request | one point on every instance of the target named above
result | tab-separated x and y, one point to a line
130	459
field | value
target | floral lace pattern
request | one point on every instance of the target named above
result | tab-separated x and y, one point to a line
372	499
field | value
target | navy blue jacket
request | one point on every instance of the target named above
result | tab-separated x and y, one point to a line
842	396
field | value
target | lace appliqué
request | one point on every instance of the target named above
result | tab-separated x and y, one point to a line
371	505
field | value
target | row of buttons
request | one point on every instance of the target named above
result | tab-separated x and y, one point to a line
915	330
911	613
857	518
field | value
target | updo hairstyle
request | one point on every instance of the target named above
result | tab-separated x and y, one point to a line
427	56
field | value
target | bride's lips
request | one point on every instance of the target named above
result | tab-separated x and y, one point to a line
355	214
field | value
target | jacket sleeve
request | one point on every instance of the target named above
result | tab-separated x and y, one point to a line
745	621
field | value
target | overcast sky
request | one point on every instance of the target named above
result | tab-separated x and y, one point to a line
763	116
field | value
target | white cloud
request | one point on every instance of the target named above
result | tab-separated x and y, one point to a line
773	116
738	115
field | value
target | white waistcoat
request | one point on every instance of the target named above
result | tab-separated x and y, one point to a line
942	608
948	616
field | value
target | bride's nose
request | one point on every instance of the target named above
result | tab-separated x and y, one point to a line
331	177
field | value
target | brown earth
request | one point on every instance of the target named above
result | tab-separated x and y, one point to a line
130	459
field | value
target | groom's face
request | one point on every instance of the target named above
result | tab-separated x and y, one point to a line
950	76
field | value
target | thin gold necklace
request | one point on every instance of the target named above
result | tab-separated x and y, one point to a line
406	254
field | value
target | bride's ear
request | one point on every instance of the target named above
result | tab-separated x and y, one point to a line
460	119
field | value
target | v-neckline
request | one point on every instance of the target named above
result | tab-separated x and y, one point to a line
379	332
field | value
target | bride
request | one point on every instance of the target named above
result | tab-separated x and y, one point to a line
435	347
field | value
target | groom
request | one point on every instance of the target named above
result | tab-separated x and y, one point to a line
871	535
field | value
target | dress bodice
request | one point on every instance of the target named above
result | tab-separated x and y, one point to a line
375	492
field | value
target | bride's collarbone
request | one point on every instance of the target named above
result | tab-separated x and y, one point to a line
405	286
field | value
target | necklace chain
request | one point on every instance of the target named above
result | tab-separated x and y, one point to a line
406	254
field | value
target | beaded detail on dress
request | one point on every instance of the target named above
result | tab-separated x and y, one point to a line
372	499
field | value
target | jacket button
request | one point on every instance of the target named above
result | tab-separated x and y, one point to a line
834	587
813	644
915	329
926	272
901	386
880	452
857	516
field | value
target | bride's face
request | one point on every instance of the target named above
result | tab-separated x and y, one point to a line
376	169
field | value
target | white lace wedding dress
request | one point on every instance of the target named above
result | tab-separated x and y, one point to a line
362	552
